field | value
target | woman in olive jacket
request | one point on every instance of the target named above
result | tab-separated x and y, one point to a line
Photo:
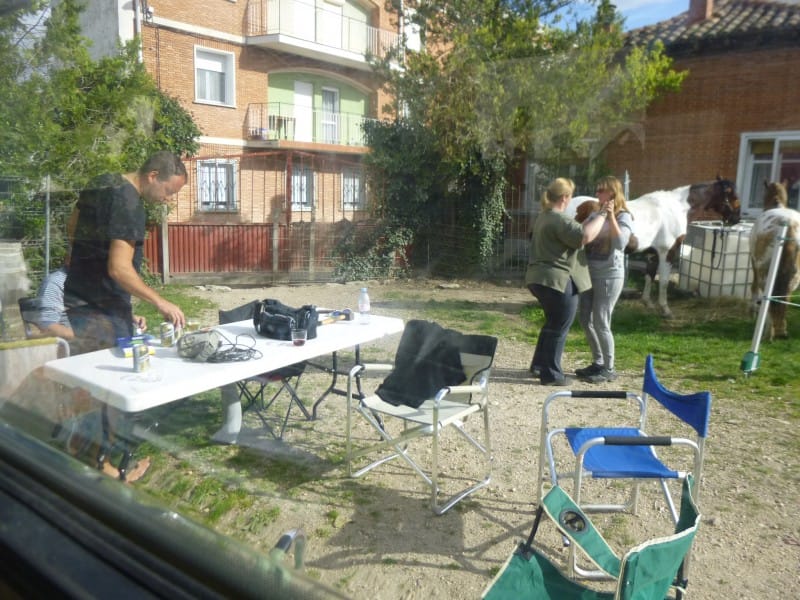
556	274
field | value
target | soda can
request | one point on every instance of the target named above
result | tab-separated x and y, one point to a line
167	334
141	357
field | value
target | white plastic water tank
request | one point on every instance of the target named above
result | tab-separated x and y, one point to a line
715	260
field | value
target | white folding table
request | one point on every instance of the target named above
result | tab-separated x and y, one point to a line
110	378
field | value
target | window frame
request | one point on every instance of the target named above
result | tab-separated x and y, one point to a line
356	175
231	203
750	178
203	57
304	177
330	117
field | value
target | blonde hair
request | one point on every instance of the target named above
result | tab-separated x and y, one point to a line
557	188
613	185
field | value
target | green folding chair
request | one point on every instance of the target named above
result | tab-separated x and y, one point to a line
652	570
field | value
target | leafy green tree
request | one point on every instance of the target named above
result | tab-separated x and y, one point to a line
497	79
71	117
65	118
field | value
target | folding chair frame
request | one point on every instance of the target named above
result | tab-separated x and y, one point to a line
430	419
287	377
28	309
611	444
255	399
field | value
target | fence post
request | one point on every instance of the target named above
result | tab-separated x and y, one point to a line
163	229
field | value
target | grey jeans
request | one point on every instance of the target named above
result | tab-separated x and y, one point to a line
594	312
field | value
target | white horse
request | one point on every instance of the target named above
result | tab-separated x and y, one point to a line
660	220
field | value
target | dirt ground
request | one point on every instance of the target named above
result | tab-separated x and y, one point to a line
375	537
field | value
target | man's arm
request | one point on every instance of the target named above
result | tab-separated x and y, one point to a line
120	269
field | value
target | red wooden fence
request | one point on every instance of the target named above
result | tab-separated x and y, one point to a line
246	252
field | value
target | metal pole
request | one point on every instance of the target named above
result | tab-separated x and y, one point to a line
750	360
627	184
47	226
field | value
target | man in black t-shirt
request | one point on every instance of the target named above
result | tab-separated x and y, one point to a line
108	238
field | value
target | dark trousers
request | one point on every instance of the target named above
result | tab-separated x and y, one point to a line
95	330
559	313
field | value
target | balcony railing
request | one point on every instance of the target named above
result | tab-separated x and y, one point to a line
302	20
276	121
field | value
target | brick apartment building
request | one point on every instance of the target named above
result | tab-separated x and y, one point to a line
280	90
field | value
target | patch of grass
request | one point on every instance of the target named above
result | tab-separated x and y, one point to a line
331	516
344	581
701	348
618	530
259	520
322	533
455	313
192	306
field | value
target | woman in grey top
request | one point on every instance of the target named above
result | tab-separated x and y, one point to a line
606	260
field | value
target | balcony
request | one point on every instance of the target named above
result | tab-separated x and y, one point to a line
279	121
299	27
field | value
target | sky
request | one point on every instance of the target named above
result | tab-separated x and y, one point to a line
639	13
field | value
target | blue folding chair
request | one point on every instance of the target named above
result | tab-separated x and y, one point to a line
626	452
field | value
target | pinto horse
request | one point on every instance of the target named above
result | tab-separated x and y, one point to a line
660	220
763	238
775	195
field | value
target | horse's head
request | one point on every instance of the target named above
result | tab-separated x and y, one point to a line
585	209
721	198
774	195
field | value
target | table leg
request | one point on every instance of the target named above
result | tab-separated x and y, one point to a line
232	411
105	442
332	389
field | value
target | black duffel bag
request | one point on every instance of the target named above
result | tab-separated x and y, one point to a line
275	320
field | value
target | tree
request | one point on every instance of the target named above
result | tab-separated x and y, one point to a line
69	118
496	80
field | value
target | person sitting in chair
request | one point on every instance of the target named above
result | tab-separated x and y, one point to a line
51	316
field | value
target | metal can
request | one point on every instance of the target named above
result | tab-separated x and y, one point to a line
141	357
167	334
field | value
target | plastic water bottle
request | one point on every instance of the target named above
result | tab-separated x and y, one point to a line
363	306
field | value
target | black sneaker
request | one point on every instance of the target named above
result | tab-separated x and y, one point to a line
603	376
592	369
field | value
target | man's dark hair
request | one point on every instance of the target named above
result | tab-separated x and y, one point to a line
166	163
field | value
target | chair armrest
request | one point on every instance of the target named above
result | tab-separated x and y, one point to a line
573	522
599	394
359	369
458	389
582	394
636	440
377	367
